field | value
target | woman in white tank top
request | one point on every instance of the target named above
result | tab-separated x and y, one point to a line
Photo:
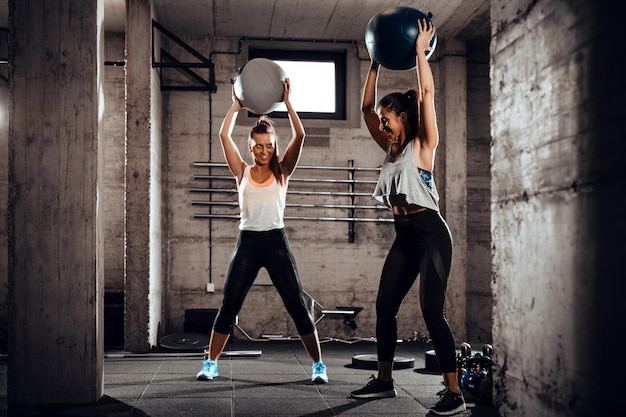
262	242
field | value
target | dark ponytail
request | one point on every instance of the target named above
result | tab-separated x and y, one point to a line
403	102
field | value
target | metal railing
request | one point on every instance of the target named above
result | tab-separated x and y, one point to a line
318	193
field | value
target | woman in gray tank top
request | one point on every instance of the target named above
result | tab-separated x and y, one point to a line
404	126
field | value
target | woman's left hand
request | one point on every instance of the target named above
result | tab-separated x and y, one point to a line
425	34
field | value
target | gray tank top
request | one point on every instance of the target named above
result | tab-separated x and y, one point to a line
400	175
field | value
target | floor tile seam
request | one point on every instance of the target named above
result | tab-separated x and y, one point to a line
145	390
231	373
300	363
300	360
409	394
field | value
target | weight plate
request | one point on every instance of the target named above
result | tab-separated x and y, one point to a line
185	341
370	362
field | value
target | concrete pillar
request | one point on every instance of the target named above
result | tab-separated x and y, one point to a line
4	188
56	327
478	293
452	122
143	274
558	205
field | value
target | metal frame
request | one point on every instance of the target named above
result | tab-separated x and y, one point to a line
347	314
351	182
169	61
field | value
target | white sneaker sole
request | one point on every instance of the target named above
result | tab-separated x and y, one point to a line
203	377
457	410
320	380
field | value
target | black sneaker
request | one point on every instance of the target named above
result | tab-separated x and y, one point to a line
450	403
375	389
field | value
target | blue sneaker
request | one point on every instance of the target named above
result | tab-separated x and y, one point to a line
318	376
208	371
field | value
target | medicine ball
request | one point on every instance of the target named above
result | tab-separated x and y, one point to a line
259	85
391	34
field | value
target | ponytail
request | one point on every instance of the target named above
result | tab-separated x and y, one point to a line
404	102
414	123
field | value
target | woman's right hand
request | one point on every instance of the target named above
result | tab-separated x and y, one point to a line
287	90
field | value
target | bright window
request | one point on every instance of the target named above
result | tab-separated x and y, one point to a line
318	81
313	86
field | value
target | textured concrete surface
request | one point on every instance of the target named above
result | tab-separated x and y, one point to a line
557	206
277	383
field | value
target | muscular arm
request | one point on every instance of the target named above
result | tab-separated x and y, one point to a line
294	148
368	106
231	152
429	133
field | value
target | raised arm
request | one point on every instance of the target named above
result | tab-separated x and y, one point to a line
231	152
368	106
294	148
429	133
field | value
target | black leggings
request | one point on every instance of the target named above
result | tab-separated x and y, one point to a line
423	246
255	250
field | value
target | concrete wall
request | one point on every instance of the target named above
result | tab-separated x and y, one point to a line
478	292
4	192
334	271
54	233
113	138
144	202
557	206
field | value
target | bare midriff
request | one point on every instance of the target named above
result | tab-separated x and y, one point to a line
401	207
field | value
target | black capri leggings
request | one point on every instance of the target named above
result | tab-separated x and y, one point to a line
255	250
423	246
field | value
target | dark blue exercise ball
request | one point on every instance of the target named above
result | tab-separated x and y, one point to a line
391	34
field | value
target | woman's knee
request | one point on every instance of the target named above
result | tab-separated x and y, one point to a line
386	308
302	319
224	322
223	328
433	316
304	324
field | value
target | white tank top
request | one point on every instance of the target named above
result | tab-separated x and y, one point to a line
262	205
